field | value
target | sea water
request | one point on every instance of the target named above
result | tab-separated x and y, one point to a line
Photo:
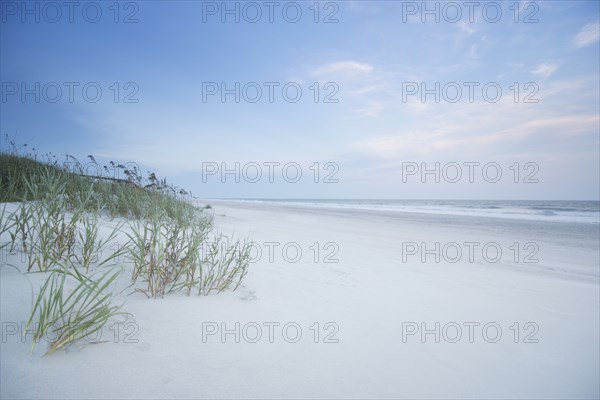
567	211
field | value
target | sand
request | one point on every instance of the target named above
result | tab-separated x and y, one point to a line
306	326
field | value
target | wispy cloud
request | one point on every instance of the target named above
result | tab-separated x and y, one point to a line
344	67
373	109
495	130
453	139
466	28
368	89
589	34
545	69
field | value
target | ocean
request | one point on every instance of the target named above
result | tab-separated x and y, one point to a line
568	211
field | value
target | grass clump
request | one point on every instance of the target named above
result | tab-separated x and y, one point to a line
69	315
224	265
169	257
53	227
170	243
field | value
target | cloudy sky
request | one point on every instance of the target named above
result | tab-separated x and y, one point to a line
364	99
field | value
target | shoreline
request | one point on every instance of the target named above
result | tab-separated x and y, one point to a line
449	208
582	239
349	285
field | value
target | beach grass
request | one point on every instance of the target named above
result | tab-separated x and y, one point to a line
170	244
69	315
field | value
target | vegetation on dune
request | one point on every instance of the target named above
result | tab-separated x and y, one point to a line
167	243
69	315
132	196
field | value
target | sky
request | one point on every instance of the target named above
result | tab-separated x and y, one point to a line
307	99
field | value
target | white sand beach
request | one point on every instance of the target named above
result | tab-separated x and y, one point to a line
300	199
301	327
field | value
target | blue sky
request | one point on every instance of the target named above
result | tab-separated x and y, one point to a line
369	63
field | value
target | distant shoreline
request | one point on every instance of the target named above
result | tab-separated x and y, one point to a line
560	211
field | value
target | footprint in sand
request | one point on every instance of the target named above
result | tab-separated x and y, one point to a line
249	296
